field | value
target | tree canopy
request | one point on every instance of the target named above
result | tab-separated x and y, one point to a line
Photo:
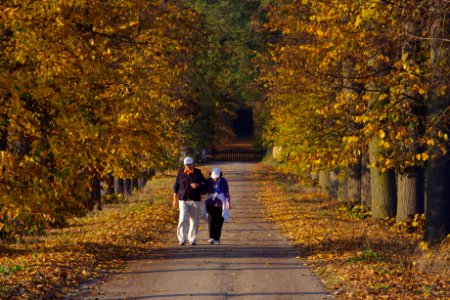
88	88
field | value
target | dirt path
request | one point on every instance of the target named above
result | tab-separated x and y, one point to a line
253	262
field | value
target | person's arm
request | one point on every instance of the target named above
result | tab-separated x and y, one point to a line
199	180
176	187
202	182
205	187
227	193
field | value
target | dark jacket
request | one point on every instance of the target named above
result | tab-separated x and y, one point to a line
183	187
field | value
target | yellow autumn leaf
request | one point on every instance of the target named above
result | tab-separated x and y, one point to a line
423	246
405	56
358	21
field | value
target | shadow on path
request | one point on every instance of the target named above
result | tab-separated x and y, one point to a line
254	295
225	251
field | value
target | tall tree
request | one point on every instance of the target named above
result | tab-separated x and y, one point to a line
378	105
437	208
93	87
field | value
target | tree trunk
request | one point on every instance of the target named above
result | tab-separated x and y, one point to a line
382	185
128	189
354	170
366	196
118	186
409	180
96	194
334	184
324	182
354	183
437	206
141	183
135	184
421	191
3	132
407	204
410	193
343	189
110	184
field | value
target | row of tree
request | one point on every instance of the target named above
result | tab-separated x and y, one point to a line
361	89
90	88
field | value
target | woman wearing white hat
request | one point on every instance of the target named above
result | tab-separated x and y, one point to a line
217	204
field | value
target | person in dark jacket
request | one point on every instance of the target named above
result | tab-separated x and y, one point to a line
187	190
217	204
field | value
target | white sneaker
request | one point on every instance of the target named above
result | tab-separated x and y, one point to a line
211	241
217	242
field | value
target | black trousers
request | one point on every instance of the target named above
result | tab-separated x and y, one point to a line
215	222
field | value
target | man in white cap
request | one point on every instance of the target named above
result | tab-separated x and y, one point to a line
187	193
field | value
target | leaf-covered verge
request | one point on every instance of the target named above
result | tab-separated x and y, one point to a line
56	263
355	257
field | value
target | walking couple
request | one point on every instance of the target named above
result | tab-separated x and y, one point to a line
189	185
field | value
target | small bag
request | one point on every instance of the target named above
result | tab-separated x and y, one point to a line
225	214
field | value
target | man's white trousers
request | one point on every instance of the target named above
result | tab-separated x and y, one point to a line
189	212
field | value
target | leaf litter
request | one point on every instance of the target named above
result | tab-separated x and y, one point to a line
58	262
355	256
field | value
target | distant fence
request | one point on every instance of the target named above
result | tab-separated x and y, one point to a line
236	154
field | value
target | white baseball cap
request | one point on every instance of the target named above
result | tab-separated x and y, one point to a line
215	173
188	161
